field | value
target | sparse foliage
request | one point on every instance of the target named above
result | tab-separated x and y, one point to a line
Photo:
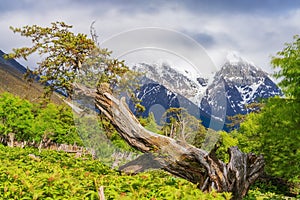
179	124
66	56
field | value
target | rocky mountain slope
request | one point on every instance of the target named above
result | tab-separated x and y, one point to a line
191	85
237	84
12	80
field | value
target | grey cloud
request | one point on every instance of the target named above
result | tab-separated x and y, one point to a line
131	7
206	40
237	6
199	6
160	40
124	6
253	27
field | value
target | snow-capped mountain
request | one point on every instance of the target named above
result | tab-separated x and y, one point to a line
157	98
152	94
238	83
184	82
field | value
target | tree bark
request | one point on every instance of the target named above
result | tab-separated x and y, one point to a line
177	157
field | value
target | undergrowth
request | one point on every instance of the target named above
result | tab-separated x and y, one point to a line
30	174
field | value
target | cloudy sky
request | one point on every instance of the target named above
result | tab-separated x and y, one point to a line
256	29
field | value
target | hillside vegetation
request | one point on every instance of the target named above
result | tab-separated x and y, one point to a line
30	174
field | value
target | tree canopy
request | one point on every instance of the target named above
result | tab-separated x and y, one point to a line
288	63
66	56
15	117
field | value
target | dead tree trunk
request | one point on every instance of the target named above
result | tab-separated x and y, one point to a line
177	157
11	139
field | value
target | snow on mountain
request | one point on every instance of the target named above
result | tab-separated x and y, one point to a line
234	58
186	82
237	84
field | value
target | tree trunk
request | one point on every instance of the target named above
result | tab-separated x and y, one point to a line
11	139
177	157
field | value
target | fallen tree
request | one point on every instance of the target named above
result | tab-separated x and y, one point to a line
177	157
64	54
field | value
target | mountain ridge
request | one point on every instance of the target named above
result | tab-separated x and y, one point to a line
243	84
12	63
237	84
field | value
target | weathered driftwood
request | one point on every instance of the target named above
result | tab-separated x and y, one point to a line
179	158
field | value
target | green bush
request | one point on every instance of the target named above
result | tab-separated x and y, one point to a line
15	117
31	122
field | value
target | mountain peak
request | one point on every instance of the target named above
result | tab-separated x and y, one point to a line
237	66
238	71
235	58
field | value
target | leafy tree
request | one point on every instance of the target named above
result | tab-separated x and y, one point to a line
249	134
226	141
27	122
15	116
151	123
280	125
57	124
288	63
283	117
275	132
71	63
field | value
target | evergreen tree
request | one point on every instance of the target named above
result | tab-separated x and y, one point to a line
151	123
68	57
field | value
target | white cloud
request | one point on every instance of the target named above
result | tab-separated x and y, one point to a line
256	36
